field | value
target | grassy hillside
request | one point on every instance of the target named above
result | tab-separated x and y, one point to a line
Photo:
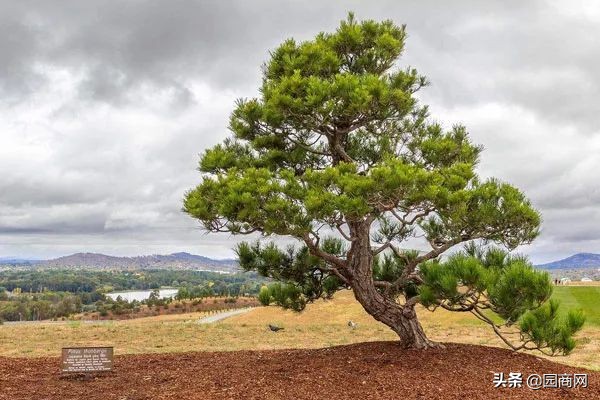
322	324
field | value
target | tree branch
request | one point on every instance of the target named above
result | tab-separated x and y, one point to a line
337	273
344	234
412	301
308	148
499	333
437	250
318	252
378	250
383	284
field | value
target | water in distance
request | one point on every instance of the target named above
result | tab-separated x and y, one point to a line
140	295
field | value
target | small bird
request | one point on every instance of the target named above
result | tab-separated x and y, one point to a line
352	324
275	328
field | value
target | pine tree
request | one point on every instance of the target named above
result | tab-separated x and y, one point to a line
338	154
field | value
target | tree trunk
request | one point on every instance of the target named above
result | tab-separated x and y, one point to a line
401	319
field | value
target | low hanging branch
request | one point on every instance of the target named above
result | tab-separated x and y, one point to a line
504	292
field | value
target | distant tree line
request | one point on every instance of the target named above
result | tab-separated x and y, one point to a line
51	294
39	306
74	281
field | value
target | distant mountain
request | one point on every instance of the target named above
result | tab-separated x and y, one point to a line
171	261
193	257
17	261
577	261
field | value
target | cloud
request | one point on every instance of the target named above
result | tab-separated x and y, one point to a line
118	49
105	106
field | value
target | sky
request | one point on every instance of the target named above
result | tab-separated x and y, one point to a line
105	107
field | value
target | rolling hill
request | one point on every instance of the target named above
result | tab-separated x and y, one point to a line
576	261
182	261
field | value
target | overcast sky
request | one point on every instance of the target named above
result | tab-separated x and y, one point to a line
105	106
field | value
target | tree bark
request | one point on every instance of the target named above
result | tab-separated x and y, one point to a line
402	319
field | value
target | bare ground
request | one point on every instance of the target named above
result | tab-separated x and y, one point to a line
376	370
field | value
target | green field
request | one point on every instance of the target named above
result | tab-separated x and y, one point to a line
586	298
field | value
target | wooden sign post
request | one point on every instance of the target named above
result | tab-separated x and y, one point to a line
87	359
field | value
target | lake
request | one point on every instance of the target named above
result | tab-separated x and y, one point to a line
140	295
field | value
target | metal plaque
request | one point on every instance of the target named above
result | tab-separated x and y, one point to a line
87	359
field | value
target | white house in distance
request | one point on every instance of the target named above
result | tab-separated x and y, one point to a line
586	279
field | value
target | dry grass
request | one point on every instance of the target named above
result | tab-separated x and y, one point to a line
579	283
320	325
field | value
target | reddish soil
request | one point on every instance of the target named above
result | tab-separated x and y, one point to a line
380	370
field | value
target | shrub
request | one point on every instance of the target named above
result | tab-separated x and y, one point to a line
264	296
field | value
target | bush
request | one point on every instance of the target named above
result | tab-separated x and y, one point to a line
264	296
287	296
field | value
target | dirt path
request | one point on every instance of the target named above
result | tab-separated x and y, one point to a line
221	316
377	370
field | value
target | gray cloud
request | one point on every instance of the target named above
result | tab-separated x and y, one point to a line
104	107
117	48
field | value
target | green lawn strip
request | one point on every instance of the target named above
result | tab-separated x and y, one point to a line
586	298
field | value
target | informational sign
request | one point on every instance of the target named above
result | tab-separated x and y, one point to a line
87	359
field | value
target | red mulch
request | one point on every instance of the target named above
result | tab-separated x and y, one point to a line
380	370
